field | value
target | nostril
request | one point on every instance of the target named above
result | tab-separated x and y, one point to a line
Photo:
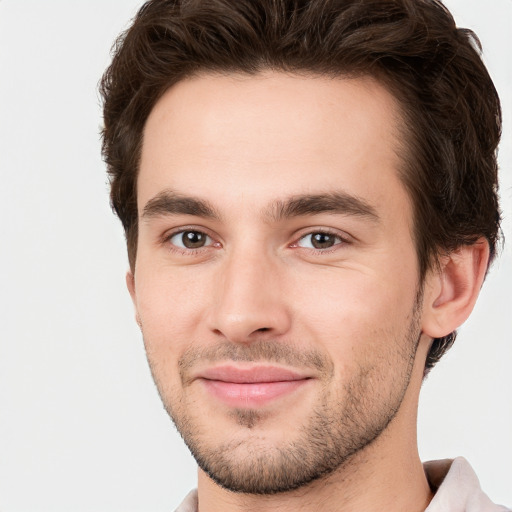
263	329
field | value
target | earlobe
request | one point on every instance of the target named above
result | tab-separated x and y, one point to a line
451	291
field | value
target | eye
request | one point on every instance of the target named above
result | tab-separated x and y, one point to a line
190	239
319	240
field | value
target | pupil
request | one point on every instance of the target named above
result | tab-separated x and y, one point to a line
322	240
193	239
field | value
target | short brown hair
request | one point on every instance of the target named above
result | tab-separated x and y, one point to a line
451	111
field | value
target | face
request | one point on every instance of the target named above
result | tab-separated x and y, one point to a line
276	280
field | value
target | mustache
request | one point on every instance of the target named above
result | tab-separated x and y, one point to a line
256	351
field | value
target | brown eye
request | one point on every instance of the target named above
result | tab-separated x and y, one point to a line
319	240
190	239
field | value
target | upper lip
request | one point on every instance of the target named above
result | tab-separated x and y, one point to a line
250	375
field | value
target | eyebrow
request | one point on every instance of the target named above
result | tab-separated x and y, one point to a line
314	204
170	203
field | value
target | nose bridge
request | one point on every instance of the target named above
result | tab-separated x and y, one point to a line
249	302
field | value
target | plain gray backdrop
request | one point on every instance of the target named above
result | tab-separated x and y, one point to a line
81	425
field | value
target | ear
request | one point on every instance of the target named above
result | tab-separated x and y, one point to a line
451	291
130	284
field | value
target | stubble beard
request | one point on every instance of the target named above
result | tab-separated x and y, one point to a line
338	427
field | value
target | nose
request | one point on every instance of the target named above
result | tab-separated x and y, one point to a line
249	302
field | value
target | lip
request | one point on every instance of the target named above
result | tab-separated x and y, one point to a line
253	386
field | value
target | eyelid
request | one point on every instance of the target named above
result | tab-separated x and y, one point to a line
345	239
166	238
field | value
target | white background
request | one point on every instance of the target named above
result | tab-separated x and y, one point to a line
81	426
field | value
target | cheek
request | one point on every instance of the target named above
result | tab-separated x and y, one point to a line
170	304
363	326
349	307
169	311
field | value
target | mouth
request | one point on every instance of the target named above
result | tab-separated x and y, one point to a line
249	387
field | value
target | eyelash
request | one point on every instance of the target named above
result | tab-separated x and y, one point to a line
342	240
187	251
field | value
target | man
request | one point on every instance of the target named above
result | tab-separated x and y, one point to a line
309	195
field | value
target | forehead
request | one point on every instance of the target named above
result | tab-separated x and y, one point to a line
223	137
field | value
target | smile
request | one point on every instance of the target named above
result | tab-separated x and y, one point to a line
251	387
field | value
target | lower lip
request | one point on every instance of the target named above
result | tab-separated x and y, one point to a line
251	394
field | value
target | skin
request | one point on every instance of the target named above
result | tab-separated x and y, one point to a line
242	147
